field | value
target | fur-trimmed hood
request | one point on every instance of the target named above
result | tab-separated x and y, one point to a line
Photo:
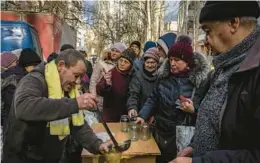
198	74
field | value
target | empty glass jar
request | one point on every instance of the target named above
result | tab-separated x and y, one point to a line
124	122
133	131
145	132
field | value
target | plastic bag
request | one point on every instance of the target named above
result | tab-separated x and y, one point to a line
184	135
91	118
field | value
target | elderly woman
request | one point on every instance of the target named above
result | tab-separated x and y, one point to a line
114	87
143	82
172	95
109	60
8	59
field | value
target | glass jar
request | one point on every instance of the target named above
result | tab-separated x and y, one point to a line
133	131
113	157
124	122
145	132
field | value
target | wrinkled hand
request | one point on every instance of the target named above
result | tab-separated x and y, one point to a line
182	160
132	113
86	101
151	120
103	148
107	77
186	152
139	120
188	106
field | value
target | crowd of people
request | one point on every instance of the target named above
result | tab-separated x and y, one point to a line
165	84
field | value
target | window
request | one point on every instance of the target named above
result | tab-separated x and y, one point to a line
12	37
36	42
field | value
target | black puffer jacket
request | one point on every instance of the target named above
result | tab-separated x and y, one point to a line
140	88
9	81
165	95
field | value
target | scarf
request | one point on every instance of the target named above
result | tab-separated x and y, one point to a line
61	127
182	74
207	132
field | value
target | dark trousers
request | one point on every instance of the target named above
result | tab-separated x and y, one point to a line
167	145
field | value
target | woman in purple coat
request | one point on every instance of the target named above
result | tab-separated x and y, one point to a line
114	87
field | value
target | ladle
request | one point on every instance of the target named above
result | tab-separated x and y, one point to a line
120	148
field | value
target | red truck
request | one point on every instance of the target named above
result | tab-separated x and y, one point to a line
52	31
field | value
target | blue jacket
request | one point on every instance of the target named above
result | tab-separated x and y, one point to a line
165	99
165	96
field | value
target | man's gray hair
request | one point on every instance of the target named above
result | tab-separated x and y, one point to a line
248	21
70	57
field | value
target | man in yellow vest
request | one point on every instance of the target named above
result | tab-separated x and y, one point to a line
46	117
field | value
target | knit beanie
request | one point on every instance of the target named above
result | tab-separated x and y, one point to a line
129	54
29	57
182	49
137	43
148	45
7	58
152	53
52	56
223	10
119	46
166	41
66	46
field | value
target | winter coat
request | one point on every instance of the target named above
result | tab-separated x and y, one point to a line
115	95
140	88
10	79
98	74
27	138
201	60
240	120
165	95
137	64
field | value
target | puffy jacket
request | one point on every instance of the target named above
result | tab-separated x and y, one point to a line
9	81
165	95
141	86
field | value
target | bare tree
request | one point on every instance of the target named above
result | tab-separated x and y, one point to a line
70	11
127	20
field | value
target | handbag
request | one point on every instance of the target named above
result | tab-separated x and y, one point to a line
184	135
185	131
